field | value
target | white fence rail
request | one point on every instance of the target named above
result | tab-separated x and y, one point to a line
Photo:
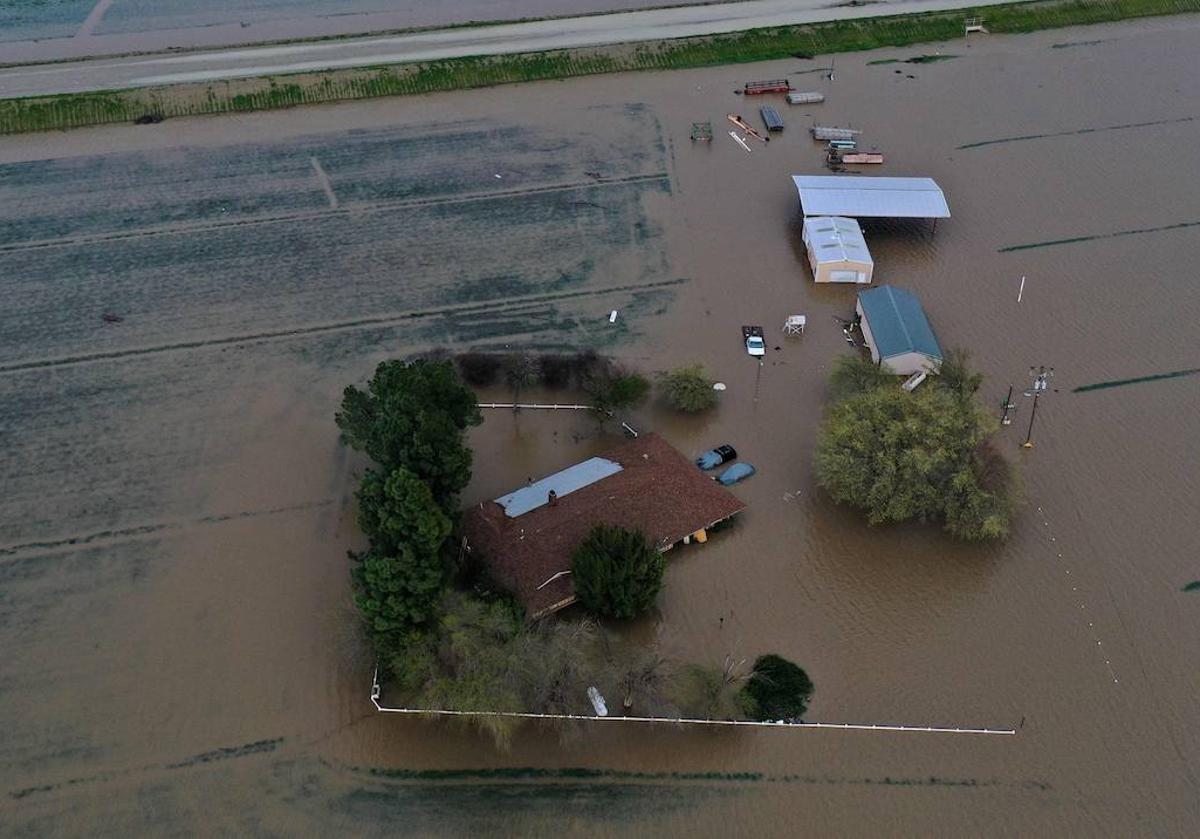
837	726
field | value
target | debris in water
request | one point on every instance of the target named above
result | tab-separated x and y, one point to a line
612	316
1194	585
109	317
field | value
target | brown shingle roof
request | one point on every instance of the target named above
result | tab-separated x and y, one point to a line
657	491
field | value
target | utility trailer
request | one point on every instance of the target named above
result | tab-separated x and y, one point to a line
829	132
771	118
805	98
769	86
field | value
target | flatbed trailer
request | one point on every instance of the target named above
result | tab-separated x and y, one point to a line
768	86
829	132
805	98
771	118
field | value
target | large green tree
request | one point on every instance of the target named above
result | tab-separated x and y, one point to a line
413	415
923	455
399	579
616	572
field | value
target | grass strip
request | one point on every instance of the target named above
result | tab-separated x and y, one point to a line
240	96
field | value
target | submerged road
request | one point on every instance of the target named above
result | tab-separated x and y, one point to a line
560	33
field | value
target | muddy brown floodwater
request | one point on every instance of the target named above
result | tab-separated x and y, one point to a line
184	303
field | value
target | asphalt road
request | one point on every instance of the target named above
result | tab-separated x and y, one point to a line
560	33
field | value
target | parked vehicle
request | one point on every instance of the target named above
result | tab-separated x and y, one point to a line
736	473
713	458
756	343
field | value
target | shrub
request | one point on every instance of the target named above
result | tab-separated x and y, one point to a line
688	389
479	369
556	371
616	572
777	689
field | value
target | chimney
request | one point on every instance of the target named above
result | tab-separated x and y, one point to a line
552	498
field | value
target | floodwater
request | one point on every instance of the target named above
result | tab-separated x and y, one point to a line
180	654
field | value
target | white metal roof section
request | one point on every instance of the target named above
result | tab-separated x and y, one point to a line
870	197
836	239
563	483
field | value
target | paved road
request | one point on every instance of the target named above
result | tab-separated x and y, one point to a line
149	70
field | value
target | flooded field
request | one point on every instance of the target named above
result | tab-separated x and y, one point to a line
185	302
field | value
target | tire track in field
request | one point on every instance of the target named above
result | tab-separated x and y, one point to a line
329	212
514	305
127	533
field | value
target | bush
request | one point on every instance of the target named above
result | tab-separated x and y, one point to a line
713	693
556	371
613	389
616	572
479	369
777	689
688	389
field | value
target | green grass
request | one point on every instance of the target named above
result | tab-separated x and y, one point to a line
75	110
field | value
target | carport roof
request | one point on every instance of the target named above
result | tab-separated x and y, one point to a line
870	197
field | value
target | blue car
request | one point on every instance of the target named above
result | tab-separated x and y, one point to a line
713	458
735	473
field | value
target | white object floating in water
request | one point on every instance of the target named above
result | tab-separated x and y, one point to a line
1021	290
739	140
498	176
597	701
612	316
719	386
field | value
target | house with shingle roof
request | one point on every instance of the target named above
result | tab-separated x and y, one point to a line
527	537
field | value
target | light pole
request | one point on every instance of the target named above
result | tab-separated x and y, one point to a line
1040	382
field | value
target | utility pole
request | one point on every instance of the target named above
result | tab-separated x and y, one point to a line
1008	406
1041	378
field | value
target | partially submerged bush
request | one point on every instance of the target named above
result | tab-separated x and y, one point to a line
616	572
688	389
480	369
777	689
556	371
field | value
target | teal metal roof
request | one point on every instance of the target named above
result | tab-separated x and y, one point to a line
898	323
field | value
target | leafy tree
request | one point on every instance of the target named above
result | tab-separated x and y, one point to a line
616	572
399	579
399	509
777	689
523	371
856	374
396	592
555	661
713	693
688	389
901	456
640	676
413	415
955	375
612	389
